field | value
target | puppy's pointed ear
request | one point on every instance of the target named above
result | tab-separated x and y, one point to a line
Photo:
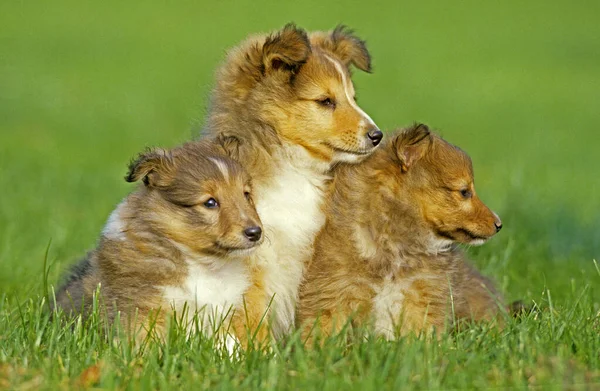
412	144
230	145
286	49
350	49
155	167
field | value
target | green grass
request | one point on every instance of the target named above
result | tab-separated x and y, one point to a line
84	86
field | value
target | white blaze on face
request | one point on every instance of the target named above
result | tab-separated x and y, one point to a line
222	167
347	88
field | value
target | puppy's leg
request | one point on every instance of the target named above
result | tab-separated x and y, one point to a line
427	305
328	323
250	321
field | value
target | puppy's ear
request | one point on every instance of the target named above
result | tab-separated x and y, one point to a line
412	144
350	49
155	167
286	49
230	145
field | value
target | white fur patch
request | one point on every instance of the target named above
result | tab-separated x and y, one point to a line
222	167
366	118
290	209
387	307
115	227
477	242
210	292
230	344
366	247
436	245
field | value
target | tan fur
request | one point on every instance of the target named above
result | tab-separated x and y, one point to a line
251	323
386	257
283	105
164	231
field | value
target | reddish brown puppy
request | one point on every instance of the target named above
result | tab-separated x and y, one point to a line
386	257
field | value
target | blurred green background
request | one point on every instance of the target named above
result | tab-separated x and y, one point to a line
86	85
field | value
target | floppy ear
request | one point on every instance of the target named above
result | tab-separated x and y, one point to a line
411	145
230	145
286	49
154	167
350	49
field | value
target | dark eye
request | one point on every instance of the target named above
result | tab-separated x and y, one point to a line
247	195
211	203
466	193
326	102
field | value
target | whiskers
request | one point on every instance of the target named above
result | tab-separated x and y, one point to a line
268	233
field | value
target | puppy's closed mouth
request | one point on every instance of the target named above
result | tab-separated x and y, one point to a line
350	151
241	252
465	232
234	250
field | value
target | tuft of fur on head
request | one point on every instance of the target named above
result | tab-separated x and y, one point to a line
283	52
412	145
350	49
288	49
153	166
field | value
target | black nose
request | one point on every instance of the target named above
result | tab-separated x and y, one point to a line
253	233
375	135
498	226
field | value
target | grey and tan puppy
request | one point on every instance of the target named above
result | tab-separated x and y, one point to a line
183	239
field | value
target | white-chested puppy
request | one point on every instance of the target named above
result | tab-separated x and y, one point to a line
284	106
182	239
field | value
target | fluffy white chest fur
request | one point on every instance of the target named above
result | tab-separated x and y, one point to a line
212	292
290	209
387	306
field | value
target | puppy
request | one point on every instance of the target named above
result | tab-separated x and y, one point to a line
180	243
386	257
284	106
